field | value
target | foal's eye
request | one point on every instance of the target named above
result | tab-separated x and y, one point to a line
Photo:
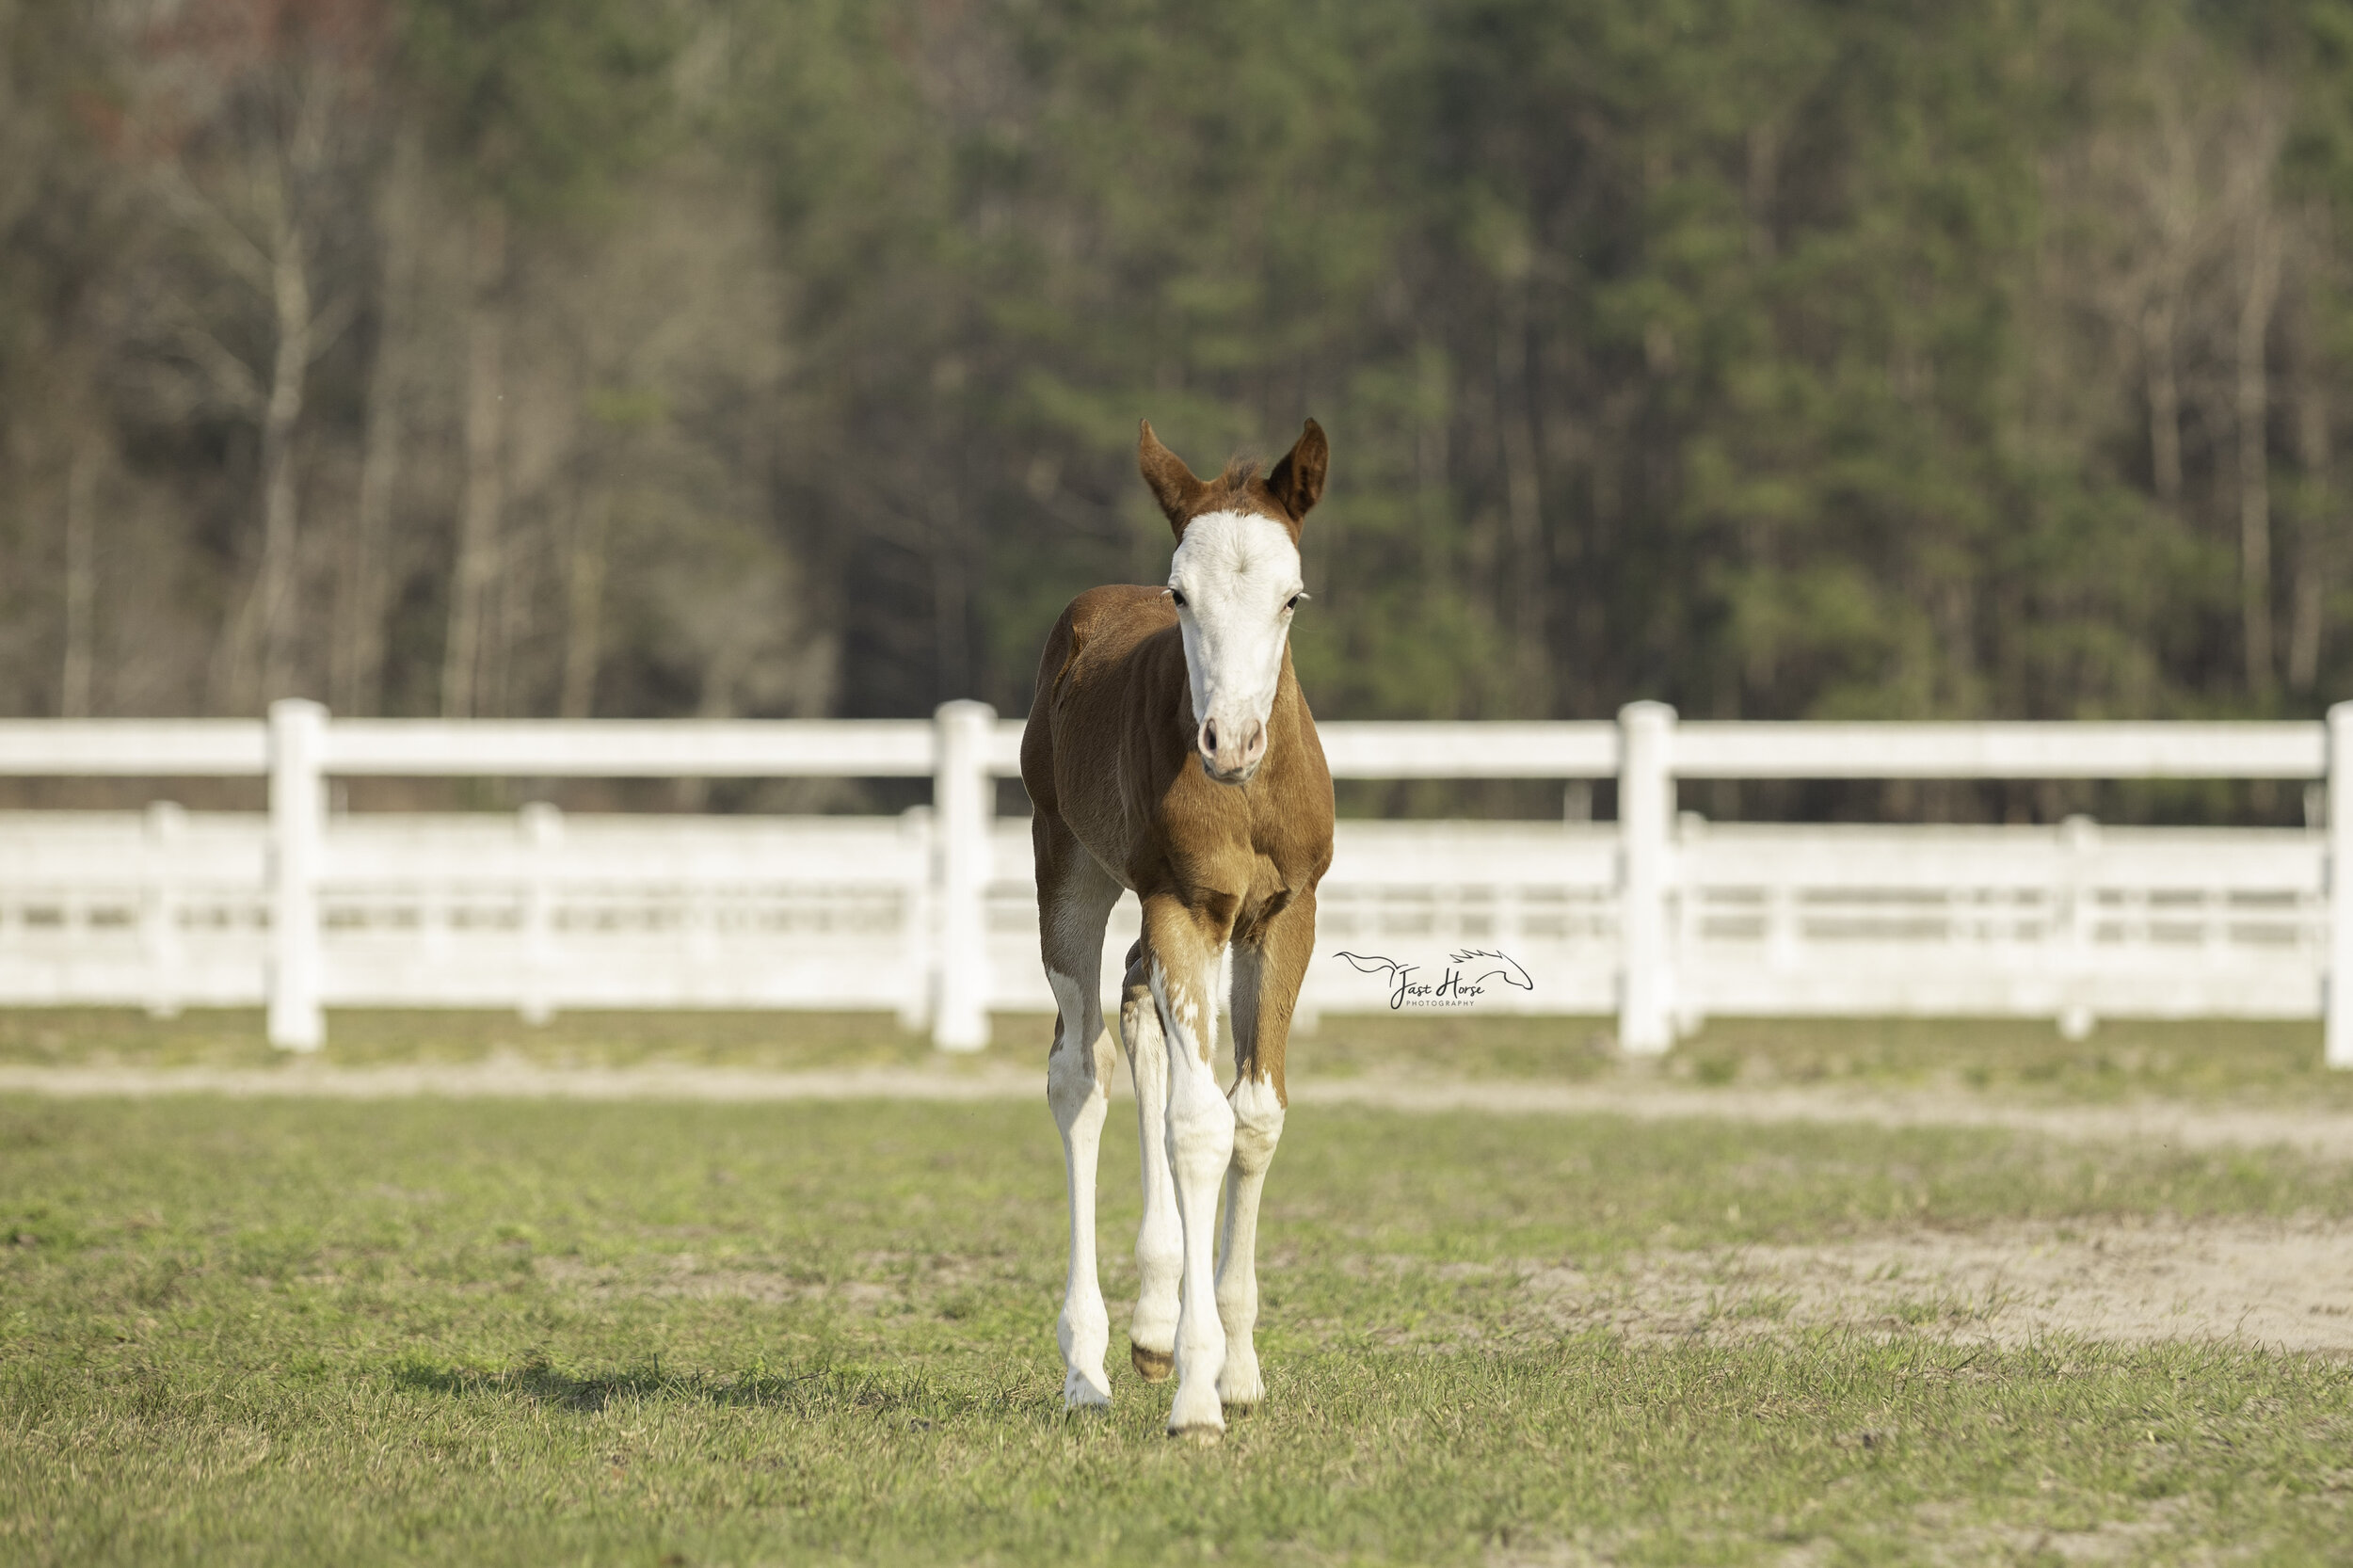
1176	598
1295	600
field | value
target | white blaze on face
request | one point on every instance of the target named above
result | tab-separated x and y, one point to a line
1236	583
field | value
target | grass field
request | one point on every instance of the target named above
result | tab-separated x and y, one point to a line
284	1331
2244	1063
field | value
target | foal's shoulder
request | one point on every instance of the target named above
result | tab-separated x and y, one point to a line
1107	621
1120	605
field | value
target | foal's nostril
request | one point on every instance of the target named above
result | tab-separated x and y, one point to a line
1209	734
1257	741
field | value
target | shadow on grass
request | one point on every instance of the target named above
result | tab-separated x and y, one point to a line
827	1389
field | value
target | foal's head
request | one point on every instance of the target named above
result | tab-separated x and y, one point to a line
1235	583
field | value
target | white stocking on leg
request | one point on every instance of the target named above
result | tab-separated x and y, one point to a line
1159	1240
1200	1145
1257	1128
1077	1080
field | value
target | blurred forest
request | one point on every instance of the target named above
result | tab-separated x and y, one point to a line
1774	357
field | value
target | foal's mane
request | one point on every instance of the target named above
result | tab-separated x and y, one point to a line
1243	486
1240	473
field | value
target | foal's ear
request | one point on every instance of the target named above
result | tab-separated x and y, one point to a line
1297	482
1173	484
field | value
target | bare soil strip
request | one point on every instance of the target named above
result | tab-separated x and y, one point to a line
2283	1285
2162	1123
2154	1123
2279	1285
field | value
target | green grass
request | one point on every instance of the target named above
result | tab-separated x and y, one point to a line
234	1037
2278	1064
2204	1061
1455	1045
420	1330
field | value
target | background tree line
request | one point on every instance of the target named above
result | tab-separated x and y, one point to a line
1776	358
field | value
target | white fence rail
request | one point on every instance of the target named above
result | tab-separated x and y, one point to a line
1659	917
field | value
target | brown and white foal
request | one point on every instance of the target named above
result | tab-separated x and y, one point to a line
1169	751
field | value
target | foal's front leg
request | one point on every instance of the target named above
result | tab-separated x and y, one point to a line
1161	1238
1077	1077
1257	1128
1267	974
1074	897
1200	1130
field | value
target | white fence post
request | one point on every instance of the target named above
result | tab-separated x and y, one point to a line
918	924
297	822
2076	903
2337	988
159	908
1646	808
962	804
542	825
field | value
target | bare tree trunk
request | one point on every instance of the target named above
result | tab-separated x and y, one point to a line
81	584
357	656
950	642
1431	463
2165	400
722	675
270	250
1956	620
290	366
952	587
2314	526
476	566
2255	459
509	619
1524	504
584	621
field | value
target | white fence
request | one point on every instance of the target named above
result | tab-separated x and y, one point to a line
1660	919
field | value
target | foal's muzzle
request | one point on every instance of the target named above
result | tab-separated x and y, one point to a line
1230	753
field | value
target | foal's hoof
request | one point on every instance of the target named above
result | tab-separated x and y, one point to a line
1080	1391
1201	1437
1152	1365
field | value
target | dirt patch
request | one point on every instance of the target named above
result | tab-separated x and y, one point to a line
689	1276
1943	1533
2283	1285
2163	1531
685	1277
2157	1124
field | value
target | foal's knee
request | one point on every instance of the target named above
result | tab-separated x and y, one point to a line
1258	1124
1071	1091
1076	1073
1200	1130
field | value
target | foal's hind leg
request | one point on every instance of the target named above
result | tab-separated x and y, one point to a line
1075	897
1266	985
